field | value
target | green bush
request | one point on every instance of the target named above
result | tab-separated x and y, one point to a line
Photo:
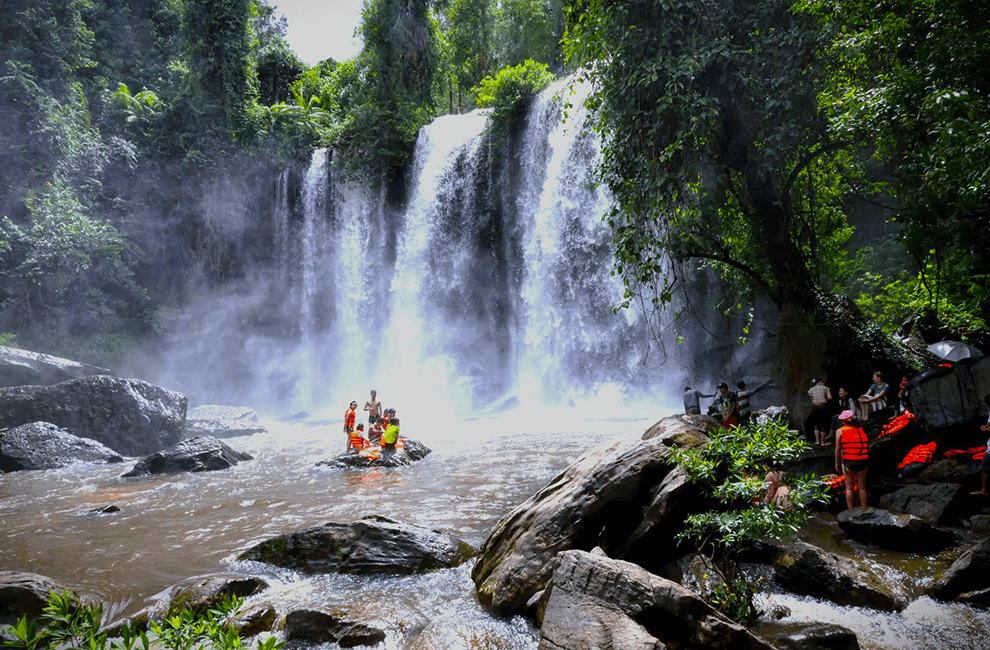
67	625
507	90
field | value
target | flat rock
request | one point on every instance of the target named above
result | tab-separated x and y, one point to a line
372	545
322	626
42	445
936	503
818	636
413	451
222	421
202	454
894	531
130	416
26	368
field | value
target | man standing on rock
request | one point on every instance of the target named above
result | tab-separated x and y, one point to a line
692	401
728	405
373	407
985	462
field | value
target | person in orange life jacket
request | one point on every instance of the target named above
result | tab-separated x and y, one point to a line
349	415
390	437
985	463
358	441
852	456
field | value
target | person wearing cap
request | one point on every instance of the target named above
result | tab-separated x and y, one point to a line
728	405
852	457
820	395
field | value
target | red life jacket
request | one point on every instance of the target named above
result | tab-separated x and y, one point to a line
835	482
855	445
897	423
920	454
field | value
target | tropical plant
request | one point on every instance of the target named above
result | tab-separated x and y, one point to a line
731	467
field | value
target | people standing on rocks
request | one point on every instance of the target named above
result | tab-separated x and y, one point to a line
692	401
390	437
373	407
820	395
875	398
728	406
349	416
852	457
985	462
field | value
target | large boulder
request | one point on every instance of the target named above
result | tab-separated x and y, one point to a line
946	397
411	452
599	602
202	454
130	416
222	421
26	368
970	572
937	503
42	445
25	594
894	531
810	571
372	545
599	500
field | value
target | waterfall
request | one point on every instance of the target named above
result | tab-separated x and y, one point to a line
486	285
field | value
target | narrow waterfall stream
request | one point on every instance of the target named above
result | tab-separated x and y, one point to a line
480	310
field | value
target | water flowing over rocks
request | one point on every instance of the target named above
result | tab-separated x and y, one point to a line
201	454
372	545
808	570
894	531
26	368
42	445
599	602
971	572
222	421
130	416
599	500
202	594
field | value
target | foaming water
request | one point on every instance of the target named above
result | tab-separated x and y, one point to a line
172	527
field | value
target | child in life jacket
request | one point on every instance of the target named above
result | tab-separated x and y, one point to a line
358	441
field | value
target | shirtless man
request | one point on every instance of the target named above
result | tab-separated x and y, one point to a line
373	407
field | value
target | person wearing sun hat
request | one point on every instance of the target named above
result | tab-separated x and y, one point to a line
852	457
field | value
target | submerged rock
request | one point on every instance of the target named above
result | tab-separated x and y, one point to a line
27	368
202	454
222	422
599	602
42	445
130	416
372	545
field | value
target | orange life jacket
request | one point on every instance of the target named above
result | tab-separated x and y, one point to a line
357	441
855	445
920	454
897	423
835	482
349	416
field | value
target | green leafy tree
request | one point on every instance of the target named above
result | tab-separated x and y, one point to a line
506	92
731	467
908	80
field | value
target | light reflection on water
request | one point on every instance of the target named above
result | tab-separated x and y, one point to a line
170	528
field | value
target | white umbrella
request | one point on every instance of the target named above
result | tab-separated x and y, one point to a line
954	350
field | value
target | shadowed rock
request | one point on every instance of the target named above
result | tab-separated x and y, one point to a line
202	454
25	594
26	368
932	502
130	416
42	445
894	531
810	571
372	545
318	626
818	636
202	594
971	572
222	422
598	602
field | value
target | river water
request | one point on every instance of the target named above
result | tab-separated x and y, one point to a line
178	526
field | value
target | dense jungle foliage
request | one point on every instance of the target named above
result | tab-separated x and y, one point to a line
819	153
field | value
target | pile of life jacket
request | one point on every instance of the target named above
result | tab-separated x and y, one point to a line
897	423
974	453
372	452
835	483
920	454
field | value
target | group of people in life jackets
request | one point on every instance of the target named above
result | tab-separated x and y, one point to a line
383	427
